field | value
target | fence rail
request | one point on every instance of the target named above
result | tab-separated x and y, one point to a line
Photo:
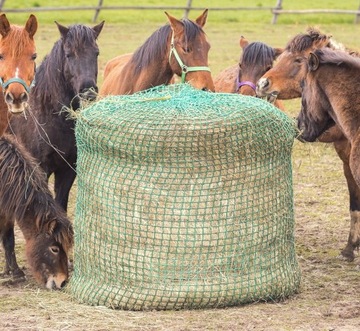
275	10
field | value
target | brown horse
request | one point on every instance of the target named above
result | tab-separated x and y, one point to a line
17	67
178	48
25	196
257	58
325	104
283	81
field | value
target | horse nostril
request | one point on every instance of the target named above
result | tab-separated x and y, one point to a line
205	89
24	97
63	284
9	98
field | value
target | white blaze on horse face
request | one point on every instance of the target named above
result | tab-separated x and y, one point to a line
17	73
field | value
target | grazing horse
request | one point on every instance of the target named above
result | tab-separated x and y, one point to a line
66	76
17	67
25	196
257	58
179	48
283	81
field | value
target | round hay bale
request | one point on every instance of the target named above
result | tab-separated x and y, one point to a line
184	201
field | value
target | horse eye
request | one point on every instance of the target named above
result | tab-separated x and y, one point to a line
68	55
187	49
1	57
298	60
55	249
34	56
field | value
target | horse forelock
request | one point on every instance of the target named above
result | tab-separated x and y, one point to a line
79	35
307	41
17	41
258	53
62	231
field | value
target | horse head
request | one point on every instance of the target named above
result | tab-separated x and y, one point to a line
17	62
257	58
283	80
47	252
81	58
314	118
188	52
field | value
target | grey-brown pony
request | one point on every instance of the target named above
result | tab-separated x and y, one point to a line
25	197
283	81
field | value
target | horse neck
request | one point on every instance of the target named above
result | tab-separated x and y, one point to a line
51	87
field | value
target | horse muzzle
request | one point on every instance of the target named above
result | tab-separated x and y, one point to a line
89	93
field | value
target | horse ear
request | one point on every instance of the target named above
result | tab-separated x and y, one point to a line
278	51
201	20
176	25
4	25
98	28
31	25
243	42
313	62
62	29
50	227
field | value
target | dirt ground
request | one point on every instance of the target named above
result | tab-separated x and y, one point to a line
328	299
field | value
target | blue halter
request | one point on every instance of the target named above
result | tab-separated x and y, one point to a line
4	85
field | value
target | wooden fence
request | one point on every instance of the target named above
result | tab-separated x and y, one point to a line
276	10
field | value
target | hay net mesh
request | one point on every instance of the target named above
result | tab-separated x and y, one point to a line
184	200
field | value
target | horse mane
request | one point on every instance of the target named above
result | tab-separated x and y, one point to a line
259	53
24	193
330	56
49	79
17	40
304	41
155	46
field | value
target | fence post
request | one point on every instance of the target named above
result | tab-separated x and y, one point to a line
357	17
278	6
187	9
2	3
97	10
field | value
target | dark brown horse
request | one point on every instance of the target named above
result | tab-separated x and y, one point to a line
178	48
283	81
17	67
25	196
67	76
256	59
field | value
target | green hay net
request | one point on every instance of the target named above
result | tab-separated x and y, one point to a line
184	201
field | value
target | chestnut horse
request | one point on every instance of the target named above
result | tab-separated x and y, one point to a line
17	67
257	58
47	131
25	196
178	48
283	81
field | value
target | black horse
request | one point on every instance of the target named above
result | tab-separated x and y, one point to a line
66	76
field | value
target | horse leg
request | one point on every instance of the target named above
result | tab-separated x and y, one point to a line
8	241
63	182
343	148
